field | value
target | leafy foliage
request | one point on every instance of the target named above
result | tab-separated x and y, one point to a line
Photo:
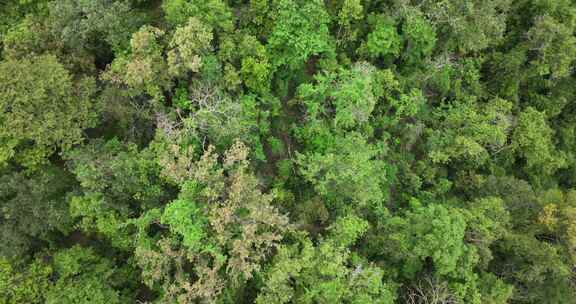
287	151
32	209
300	31
50	116
302	272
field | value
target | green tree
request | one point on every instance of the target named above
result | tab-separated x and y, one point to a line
420	37
93	25
468	26
470	131
533	139
188	45
555	45
117	170
85	277
118	181
353	93
349	19
537	269
24	284
300	31
351	170
214	13
222	226
23	39
43	109
414	239
33	209
383	40
326	273
144	70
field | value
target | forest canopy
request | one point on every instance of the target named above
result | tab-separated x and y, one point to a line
288	151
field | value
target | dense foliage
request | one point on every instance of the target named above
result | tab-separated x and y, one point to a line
287	151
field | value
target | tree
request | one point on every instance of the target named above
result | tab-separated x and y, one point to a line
119	171
487	222
383	40
420	37
222	226
118	182
24	284
91	25
26	38
144	70
556	47
256	68
534	140
85	277
349	171
413	240
189	44
470	132
349	18
214	13
304	273
345	99
468	26
43	109
436	249
557	217
13	12
536	268
33	209
300	31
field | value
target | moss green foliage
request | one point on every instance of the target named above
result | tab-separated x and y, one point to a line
43	109
82	277
287	151
92	25
34	207
383	40
300	31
